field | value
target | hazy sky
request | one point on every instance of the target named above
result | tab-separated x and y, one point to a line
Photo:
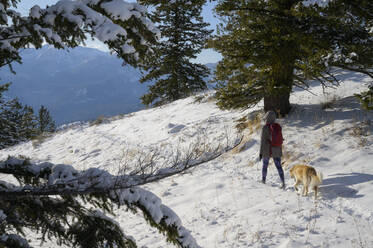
207	56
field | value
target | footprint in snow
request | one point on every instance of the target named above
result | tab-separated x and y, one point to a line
220	186
167	193
321	159
175	128
170	125
95	151
85	157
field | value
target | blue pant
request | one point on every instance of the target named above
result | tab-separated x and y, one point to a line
278	166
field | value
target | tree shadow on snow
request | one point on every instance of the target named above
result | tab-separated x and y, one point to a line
338	186
341	75
314	117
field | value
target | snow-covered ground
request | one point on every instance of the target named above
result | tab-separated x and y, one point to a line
222	202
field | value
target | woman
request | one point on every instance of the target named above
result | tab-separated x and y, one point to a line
271	146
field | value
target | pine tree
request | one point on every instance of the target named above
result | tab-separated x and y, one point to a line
11	128
8	128
268	47
183	35
45	121
17	122
28	123
4	125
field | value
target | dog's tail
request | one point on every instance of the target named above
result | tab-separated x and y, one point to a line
320	176
317	179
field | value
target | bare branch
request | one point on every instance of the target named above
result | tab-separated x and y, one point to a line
86	183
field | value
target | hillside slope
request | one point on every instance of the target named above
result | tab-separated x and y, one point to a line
222	202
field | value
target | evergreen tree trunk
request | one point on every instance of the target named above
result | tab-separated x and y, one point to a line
281	83
281	75
279	103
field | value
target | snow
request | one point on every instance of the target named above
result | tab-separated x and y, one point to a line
35	12
62	174
120	9
221	203
321	3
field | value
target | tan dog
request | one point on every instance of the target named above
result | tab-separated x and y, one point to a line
307	176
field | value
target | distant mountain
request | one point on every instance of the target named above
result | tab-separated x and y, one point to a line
79	84
76	85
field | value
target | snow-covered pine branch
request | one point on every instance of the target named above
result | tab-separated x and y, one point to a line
64	181
122	26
